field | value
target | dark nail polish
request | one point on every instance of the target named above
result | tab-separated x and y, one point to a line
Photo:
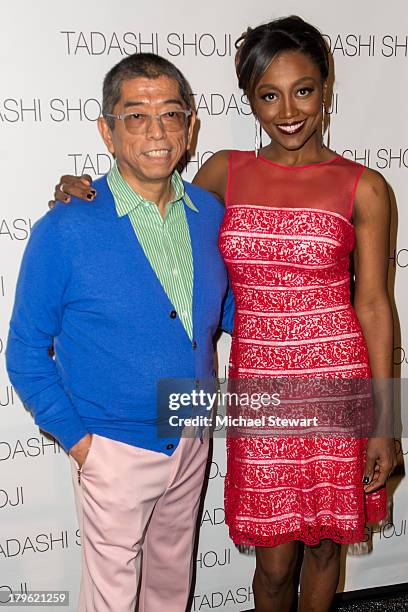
90	196
66	199
93	192
366	480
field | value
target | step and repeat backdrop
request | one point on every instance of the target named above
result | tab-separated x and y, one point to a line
53	58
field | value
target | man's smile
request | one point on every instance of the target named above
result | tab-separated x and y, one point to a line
157	153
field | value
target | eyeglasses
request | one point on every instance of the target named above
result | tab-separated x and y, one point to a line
137	123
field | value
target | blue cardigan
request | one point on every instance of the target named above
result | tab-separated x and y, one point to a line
86	284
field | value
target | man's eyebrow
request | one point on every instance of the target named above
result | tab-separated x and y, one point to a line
173	101
141	103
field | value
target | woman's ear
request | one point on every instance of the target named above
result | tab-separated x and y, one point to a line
324	95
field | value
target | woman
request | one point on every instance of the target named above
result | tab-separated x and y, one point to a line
294	212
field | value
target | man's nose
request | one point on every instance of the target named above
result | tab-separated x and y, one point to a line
155	128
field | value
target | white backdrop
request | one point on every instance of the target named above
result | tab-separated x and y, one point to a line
54	57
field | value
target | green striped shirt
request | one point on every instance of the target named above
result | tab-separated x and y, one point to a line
165	242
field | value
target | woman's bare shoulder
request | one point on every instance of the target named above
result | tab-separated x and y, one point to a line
213	174
372	195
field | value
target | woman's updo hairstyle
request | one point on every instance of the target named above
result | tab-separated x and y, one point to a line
257	47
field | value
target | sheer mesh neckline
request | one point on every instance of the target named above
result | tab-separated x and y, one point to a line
258	181
285	167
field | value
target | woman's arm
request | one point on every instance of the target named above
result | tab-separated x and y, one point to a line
371	219
213	175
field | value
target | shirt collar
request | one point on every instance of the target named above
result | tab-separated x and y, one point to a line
127	199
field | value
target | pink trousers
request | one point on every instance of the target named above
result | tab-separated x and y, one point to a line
137	512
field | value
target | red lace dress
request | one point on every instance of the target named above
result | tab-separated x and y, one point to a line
286	239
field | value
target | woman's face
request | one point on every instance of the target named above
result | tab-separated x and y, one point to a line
288	100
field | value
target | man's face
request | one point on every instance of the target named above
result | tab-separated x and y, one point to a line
149	156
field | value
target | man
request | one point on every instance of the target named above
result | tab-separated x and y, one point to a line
130	291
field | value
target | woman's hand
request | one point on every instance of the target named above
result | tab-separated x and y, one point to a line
381	460
78	186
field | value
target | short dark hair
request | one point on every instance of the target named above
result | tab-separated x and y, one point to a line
147	65
257	47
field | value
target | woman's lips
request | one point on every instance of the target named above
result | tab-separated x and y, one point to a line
289	129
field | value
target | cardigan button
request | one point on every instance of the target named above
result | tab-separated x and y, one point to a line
194	344
170	446
173	314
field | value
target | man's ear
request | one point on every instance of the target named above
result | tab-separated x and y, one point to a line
106	134
190	129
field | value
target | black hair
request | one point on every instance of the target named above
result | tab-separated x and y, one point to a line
257	47
147	65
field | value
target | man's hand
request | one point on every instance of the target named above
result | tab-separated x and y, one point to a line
78	186
380	462
81	449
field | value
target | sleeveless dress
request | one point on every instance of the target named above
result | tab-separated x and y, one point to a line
286	239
